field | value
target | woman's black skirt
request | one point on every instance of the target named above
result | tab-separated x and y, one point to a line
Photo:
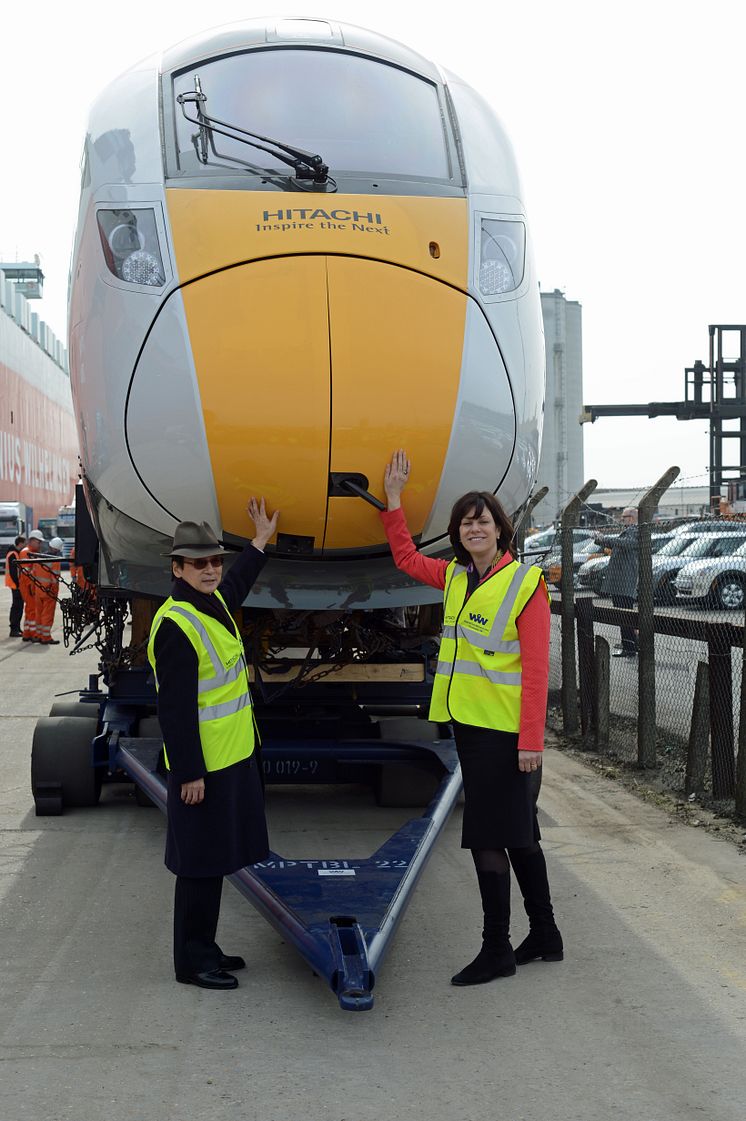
223	833
499	800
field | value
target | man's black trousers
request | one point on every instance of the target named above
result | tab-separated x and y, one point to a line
16	610
628	634
196	912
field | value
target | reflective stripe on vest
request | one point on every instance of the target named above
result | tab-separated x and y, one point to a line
8	578
25	583
478	676
224	712
222	676
473	668
48	574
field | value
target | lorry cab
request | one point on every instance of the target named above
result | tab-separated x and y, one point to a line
14	520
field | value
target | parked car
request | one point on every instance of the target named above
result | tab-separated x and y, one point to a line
718	581
537	547
685	548
551	565
711	525
591	573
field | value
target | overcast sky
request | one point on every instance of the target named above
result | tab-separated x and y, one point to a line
627	120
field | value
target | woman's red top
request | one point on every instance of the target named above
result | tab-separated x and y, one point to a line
532	623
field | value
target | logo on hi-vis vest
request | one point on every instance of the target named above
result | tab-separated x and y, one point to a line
477	619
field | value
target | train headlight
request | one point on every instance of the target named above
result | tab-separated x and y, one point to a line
142	268
502	256
129	239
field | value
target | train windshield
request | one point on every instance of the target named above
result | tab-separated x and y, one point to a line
362	116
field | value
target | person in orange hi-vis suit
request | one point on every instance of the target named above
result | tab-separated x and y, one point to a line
49	578
27	585
76	572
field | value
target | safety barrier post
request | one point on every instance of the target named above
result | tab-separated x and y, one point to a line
522	518
601	698
699	733
646	726
586	663
721	712
741	760
569	519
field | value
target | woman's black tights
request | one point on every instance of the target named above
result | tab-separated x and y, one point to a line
490	860
529	867
500	860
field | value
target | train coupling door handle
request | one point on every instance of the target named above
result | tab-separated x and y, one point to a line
352	484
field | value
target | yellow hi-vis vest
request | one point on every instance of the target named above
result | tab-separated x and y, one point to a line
226	723
478	678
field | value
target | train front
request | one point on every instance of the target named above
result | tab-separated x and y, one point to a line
300	246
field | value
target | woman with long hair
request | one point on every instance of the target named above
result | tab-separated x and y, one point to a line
491	685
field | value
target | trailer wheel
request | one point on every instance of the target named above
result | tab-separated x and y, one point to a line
74	708
61	764
147	728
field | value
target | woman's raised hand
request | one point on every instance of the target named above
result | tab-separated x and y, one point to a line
265	526
395	478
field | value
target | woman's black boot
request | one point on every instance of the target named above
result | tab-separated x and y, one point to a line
540	943
544	939
496	957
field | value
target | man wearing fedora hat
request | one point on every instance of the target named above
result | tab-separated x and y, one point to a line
215	819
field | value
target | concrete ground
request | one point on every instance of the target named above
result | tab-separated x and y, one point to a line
645	1020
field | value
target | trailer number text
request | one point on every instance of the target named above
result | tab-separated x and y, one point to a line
290	767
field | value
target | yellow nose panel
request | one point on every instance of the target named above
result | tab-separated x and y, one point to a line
322	341
396	345
213	229
308	365
260	341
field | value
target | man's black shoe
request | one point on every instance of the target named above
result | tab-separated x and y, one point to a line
16	634
231	962
210	979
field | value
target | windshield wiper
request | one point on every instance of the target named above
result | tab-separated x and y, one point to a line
307	165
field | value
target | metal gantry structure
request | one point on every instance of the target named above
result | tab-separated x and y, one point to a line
715	392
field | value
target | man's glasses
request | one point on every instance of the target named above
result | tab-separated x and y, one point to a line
202	562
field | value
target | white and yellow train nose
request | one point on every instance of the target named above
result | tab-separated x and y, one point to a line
320	344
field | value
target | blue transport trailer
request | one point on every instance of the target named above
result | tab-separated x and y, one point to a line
339	912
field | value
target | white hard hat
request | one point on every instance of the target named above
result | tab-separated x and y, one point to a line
36	535
56	543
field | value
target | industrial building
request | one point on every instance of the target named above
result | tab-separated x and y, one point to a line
38	439
679	501
561	463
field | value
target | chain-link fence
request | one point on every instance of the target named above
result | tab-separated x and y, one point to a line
647	641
